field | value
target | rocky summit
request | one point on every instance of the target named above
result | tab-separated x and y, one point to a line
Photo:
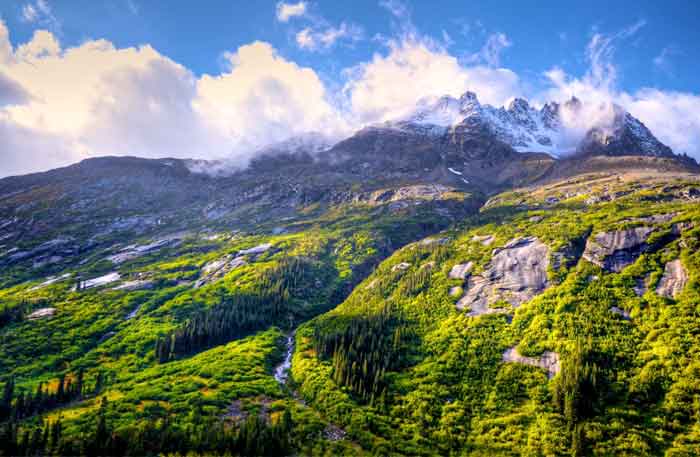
464	280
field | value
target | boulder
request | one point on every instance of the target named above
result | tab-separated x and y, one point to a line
548	360
620	312
255	250
673	280
517	272
485	240
400	266
461	271
613	251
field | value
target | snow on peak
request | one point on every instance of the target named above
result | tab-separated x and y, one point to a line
556	129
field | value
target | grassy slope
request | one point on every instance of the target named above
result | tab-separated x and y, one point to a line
453	393
90	332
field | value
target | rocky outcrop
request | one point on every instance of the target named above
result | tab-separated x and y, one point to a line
217	269
549	360
620	312
42	313
401	266
461	271
416	192
485	240
517	272
137	284
135	251
673	280
100	281
256	249
613	251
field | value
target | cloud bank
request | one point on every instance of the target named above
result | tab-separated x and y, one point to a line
105	100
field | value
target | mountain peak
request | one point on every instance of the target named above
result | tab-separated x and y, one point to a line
556	129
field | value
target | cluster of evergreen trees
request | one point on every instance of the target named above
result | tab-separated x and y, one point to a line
364	350
44	439
579	391
11	313
270	302
26	404
255	436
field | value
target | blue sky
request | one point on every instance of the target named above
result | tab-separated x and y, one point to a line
542	33
215	78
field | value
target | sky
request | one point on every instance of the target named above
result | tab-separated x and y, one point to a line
219	79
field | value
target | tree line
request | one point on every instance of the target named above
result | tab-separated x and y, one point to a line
210	435
272	301
15	406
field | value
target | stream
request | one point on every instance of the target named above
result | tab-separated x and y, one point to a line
282	370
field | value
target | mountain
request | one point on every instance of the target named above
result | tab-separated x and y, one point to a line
466	280
556	129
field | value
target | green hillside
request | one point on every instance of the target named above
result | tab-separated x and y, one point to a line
555	320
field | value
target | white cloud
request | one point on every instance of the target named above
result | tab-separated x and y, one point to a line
396	8
264	98
490	53
102	100
663	61
40	13
313	40
29	13
389	86
285	11
673	117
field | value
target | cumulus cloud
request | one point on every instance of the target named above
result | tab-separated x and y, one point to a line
286	11
323	39
390	85
264	98
103	100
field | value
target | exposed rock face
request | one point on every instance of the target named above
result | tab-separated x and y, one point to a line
673	281
135	251
517	273
416	192
401	266
429	241
137	284
100	281
256	250
217	269
620	312
41	313
461	271
485	240
613	251
548	360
